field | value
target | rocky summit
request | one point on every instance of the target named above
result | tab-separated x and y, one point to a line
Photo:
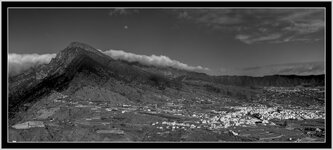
85	95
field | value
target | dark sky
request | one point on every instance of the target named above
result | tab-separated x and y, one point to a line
223	40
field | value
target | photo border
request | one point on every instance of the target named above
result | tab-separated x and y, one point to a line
196	4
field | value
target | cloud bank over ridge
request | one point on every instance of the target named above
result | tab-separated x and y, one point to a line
17	63
160	61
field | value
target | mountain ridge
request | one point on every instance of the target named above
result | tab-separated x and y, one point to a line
79	57
60	71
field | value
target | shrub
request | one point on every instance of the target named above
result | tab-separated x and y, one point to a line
160	81
211	88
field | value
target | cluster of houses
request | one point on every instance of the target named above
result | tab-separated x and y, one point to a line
242	116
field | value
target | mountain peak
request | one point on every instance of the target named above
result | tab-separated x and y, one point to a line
81	45
75	49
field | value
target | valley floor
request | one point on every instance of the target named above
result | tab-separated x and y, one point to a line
60	118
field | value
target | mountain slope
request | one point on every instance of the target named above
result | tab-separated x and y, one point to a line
77	57
60	71
85	95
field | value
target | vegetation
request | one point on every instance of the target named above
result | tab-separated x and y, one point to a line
211	88
159	81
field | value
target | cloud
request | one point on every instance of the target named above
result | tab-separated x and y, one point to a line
153	60
225	17
253	39
309	68
211	17
261	25
183	14
307	27
17	63
122	11
302	14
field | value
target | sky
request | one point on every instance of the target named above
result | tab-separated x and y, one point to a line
219	41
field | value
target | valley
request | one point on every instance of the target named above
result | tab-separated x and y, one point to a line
83	95
60	117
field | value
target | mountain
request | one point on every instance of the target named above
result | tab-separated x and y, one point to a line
81	82
78	58
74	59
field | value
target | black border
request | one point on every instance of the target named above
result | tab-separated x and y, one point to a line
326	4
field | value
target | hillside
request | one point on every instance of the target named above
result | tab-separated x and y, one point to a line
85	95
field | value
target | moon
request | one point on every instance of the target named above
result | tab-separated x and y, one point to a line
125	27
